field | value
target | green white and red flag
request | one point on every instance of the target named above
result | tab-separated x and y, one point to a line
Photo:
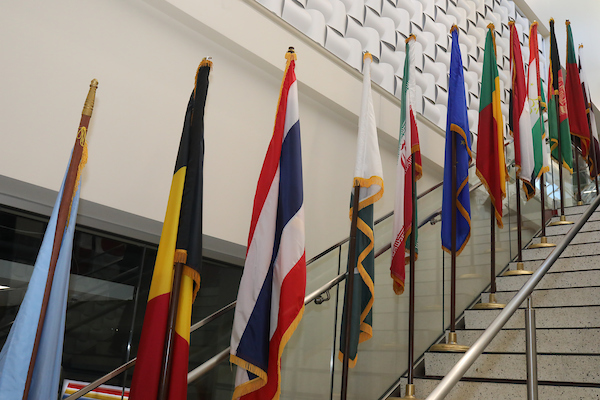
409	157
535	96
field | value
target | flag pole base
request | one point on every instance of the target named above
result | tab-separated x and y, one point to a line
492	305
580	203
563	221
543	243
451	346
409	393
519	271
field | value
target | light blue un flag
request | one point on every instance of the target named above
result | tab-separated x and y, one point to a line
16	353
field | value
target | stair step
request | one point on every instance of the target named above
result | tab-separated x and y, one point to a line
557	317
561	341
564	229
580	238
551	367
575	217
575	250
551	280
564	264
465	390
553	298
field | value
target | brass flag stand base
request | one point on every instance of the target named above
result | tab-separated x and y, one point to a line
409	393
492	305
519	271
543	243
580	203
451	346
563	221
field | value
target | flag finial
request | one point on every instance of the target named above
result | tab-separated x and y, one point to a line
206	62
88	106
291	54
367	55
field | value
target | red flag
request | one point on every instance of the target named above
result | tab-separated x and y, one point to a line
575	103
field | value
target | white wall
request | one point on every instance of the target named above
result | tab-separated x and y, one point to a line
144	55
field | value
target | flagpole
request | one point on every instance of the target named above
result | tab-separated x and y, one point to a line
350	289
492	304
165	372
577	152
563	218
594	168
520	266
452	345
409	392
62	219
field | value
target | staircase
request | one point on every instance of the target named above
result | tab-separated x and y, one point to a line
567	304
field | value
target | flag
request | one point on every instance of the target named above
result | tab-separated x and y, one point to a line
368	174
457	124
576	107
180	241
520	117
558	120
595	160
537	103
270	300
491	168
408	146
54	254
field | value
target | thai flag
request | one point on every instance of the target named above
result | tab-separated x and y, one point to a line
270	300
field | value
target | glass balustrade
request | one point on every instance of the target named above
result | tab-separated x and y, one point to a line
111	275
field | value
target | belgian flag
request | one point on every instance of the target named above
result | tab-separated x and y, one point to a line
180	241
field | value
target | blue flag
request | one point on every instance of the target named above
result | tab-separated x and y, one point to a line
458	125
16	353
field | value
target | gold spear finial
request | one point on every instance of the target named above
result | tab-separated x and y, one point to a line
88	106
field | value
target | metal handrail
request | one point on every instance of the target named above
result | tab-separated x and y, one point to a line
208	365
461	367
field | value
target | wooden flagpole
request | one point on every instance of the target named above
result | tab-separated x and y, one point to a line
61	223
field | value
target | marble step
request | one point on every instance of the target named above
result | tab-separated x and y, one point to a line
551	367
564	229
556	317
501	391
566	297
574	250
575	217
563	264
551	280
580	238
559	341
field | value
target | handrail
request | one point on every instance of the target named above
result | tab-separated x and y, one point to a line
490	333
208	365
211	363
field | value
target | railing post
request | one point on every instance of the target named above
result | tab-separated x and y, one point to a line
531	352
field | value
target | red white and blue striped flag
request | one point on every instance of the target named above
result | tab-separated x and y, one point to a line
270	300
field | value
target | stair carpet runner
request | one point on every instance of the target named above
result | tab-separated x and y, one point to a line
567	304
